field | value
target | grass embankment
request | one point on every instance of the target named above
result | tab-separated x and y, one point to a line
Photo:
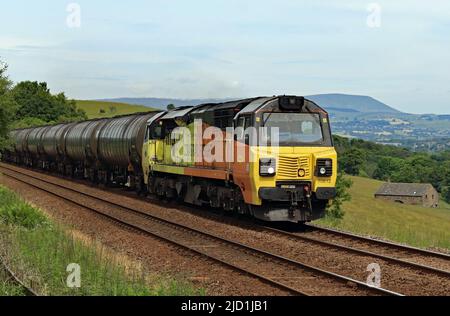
100	109
413	225
39	252
7	287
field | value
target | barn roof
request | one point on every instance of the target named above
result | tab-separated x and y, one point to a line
403	189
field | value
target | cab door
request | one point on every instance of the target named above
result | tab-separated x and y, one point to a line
242	167
151	140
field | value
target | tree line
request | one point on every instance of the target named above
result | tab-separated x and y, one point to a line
30	103
394	164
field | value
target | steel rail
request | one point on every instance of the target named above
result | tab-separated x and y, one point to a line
360	251
381	242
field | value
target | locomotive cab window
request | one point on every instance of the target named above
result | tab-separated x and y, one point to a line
243	123
294	128
156	131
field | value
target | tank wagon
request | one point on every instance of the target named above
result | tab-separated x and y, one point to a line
103	150
53	144
292	179
119	146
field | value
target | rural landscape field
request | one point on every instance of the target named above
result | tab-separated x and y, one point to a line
225	157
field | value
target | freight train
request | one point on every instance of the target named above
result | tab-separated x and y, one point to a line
269	157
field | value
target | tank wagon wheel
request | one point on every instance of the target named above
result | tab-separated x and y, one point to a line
108	179
140	186
93	177
151	185
179	194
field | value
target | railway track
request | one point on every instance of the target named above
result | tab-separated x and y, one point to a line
281	272
391	252
11	276
359	238
415	258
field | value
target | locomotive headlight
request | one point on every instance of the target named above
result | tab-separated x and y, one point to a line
324	167
267	167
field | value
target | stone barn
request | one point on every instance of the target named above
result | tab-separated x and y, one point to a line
409	193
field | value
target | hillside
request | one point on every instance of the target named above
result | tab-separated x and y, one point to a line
414	225
98	109
353	103
161	103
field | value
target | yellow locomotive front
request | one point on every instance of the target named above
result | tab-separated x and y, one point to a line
292	176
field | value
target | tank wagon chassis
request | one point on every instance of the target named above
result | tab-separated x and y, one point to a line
135	151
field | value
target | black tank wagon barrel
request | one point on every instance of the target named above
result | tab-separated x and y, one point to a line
53	143
106	150
81	148
119	145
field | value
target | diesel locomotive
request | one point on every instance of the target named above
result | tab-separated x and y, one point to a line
269	157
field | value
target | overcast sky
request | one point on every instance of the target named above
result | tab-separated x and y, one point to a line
215	48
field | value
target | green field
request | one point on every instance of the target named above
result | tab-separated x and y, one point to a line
99	109
414	225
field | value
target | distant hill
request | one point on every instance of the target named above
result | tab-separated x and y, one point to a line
346	102
99	109
161	103
333	102
332	109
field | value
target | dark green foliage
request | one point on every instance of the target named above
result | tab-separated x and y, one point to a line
29	122
14	211
343	144
405	174
29	104
35	100
390	163
385	167
170	107
352	160
335	210
446	194
7	105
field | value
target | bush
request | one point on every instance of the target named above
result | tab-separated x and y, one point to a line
35	100
352	161
29	122
446	194
335	210
14	211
